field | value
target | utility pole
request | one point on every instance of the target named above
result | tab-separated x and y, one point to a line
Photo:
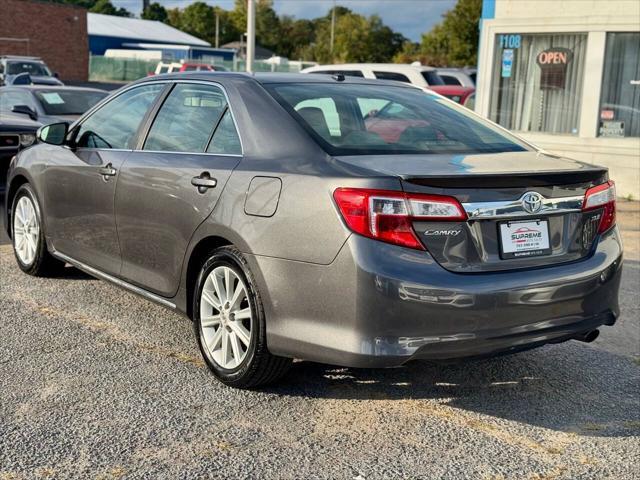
217	29
333	25
251	34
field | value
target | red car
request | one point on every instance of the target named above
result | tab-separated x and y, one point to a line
185	67
453	92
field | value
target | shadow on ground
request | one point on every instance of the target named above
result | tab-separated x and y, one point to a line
569	387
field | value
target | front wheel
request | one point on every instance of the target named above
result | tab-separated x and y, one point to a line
229	323
27	234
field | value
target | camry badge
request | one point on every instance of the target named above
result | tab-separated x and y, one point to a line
532	202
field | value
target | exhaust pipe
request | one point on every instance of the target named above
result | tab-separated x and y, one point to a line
587	337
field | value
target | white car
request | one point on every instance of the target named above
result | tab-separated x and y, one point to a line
464	77
418	75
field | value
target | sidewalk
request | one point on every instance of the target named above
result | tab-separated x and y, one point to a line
629	223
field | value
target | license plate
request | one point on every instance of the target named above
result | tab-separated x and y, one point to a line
528	238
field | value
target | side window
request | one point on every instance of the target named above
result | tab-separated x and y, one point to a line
449	80
116	123
398	77
225	139
320	114
186	119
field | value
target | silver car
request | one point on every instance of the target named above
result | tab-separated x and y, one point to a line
335	219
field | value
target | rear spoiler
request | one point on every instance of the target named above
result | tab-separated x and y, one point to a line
591	177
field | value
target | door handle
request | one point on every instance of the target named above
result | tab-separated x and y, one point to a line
204	182
107	171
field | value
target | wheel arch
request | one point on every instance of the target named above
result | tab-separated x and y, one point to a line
16	182
198	255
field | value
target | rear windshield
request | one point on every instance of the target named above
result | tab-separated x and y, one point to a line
432	77
67	101
352	119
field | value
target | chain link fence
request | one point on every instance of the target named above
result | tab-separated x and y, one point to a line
113	69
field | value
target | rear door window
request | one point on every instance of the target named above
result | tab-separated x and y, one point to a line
225	140
186	119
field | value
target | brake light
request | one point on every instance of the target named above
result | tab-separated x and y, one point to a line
602	196
387	215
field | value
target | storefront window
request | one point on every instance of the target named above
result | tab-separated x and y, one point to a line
620	102
537	82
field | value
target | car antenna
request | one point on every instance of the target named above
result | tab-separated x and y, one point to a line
338	77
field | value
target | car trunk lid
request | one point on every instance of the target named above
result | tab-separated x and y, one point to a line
524	208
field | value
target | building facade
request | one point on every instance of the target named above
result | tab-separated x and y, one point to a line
57	33
565	75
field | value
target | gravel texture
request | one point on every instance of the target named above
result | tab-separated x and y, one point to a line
98	383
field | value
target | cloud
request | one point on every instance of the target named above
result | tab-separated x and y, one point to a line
409	17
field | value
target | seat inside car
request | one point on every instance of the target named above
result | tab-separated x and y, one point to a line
314	116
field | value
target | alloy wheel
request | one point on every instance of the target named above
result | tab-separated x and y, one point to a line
225	317
26	230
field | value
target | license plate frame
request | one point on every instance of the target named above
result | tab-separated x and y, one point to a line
534	239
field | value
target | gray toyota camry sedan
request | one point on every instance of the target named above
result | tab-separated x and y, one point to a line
333	219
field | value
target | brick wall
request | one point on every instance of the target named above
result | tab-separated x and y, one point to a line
56	33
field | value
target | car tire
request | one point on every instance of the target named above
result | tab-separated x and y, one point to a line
28	236
229	323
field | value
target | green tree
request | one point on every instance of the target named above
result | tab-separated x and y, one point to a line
295	35
98	6
454	41
228	31
174	17
409	52
198	19
356	39
155	11
267	22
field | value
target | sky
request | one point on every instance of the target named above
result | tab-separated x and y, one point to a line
409	17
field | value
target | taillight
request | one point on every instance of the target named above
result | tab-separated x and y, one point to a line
387	215
602	196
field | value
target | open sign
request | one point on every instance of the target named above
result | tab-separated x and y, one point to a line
553	67
554	56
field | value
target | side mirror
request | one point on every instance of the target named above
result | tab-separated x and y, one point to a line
26	110
56	74
53	134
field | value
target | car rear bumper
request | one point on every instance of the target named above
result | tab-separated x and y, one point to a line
379	305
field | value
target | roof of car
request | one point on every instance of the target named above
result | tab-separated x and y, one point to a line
20	58
54	87
466	70
266	78
380	66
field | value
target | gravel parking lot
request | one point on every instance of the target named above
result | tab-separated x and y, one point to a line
98	383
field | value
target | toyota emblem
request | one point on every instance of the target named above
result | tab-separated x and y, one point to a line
532	202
